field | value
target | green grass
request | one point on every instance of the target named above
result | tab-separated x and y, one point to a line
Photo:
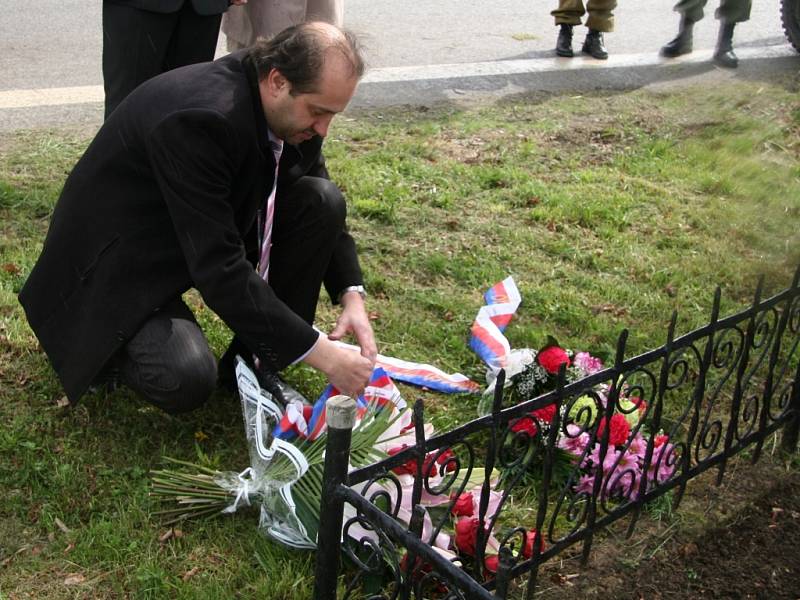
611	211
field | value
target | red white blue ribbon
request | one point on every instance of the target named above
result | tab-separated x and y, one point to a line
380	393
423	375
488	341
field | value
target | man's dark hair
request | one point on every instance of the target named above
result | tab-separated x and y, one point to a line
299	54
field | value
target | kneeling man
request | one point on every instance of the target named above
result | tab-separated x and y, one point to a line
211	177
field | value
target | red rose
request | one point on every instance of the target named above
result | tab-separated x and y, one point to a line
491	563
410	466
660	439
407	468
525	425
464	506
466	535
551	358
530	538
446	461
419	569
620	429
639	403
428	466
545	414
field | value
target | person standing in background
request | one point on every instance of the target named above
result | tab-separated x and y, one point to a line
243	25
729	13
601	20
143	38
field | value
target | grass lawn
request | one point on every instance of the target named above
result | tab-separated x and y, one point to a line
611	211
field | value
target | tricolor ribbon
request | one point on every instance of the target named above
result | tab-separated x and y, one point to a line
488	341
422	375
310	423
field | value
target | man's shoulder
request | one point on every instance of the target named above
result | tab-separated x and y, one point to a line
221	87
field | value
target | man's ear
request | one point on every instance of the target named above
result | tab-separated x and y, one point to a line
276	82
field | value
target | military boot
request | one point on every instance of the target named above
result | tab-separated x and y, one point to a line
724	55
564	42
593	45
682	44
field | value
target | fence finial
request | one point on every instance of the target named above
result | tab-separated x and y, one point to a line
340	412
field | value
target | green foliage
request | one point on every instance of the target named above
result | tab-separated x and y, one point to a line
610	211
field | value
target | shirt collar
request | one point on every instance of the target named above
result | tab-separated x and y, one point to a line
275	142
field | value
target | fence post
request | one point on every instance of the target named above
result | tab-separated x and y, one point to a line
504	565
791	431
340	418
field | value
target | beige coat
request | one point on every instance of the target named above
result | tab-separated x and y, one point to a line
264	18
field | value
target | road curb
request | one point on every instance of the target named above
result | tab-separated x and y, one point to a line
428	85
431	84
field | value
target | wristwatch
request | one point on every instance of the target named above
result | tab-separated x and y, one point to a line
353	288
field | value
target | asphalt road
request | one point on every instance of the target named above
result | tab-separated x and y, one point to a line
418	52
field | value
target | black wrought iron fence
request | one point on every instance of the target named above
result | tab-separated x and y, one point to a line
688	407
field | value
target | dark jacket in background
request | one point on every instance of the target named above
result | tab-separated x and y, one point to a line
201	7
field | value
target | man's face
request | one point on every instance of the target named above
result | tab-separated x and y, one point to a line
299	117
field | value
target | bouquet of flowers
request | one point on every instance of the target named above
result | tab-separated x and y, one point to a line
531	373
286	445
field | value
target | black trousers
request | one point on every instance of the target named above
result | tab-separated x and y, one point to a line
140	44
168	361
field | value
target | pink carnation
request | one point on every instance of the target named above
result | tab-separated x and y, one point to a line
588	363
573	442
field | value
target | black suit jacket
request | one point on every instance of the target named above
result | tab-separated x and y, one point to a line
201	7
164	199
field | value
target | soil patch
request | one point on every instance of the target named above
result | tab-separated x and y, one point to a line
746	544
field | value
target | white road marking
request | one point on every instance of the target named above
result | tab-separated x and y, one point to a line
31	98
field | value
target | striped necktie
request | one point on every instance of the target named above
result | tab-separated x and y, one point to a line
266	244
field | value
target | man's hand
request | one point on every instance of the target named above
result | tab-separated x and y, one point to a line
347	370
354	319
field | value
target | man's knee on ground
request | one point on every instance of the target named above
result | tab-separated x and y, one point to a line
196	382
328	201
194	368
171	365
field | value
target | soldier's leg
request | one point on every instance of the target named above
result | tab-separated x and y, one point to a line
734	11
729	13
691	11
601	19
567	15
569	12
601	15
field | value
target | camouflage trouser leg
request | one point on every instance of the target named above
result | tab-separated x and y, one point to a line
729	11
601	17
733	11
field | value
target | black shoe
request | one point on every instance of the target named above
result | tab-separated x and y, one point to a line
593	45
564	41
682	44
724	55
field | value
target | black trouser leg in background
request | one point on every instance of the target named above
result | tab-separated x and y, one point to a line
140	44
